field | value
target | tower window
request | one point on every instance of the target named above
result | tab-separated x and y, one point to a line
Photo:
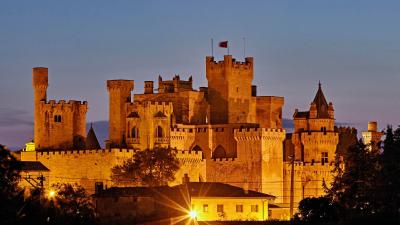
254	208
159	132
324	157
57	118
135	132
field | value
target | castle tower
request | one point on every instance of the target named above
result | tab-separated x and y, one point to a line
372	137
230	90
120	94
40	84
148	87
314	142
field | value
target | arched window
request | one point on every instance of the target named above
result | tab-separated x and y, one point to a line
159	132
135	132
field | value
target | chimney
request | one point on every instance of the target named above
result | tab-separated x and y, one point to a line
246	187
148	87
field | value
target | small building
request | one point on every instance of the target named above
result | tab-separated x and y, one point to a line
200	201
33	175
223	202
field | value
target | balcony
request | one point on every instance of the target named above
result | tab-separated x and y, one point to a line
162	140
133	140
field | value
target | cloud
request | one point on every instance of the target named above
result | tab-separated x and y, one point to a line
15	117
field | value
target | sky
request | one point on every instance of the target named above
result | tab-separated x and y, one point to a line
352	47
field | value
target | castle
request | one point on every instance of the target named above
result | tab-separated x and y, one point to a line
221	133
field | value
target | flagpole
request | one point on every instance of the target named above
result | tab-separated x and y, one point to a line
212	47
244	47
228	47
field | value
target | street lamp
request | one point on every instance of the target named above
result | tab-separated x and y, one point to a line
192	214
51	194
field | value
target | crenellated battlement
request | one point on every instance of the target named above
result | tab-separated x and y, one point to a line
229	62
120	84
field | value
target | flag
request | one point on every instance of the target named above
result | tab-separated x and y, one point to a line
223	44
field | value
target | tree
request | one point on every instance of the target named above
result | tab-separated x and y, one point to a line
317	211
11	196
150	167
365	189
73	205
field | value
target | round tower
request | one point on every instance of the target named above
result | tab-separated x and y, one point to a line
372	137
40	84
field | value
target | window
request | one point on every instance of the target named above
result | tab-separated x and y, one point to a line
135	132
205	208
159	132
254	208
239	208
220	208
324	158
57	118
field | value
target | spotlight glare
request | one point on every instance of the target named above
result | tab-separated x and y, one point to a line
193	214
52	193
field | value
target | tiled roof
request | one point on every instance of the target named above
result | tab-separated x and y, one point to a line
321	103
303	114
216	189
33	166
91	140
194	189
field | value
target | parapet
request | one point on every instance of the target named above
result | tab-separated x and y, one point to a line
229	62
40	76
120	84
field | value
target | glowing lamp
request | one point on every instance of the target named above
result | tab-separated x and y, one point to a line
192	214
52	193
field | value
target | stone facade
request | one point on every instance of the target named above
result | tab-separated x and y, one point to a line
221	133
57	125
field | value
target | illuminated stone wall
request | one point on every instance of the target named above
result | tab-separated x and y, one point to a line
57	125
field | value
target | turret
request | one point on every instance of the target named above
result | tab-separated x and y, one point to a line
148	87
120	94
313	110
372	137
331	111
40	84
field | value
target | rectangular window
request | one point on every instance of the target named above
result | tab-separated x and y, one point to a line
324	157
220	208
205	208
239	208
254	208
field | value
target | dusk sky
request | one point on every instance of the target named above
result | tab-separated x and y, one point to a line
352	47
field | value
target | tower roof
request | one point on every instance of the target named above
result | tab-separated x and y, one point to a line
91	140
321	103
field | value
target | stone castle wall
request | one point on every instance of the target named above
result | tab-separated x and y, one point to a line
86	167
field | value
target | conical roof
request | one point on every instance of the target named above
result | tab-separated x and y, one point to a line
91	140
321	103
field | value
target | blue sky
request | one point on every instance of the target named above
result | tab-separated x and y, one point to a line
353	47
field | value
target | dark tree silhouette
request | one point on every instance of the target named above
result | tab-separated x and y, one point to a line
11	197
151	167
365	189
